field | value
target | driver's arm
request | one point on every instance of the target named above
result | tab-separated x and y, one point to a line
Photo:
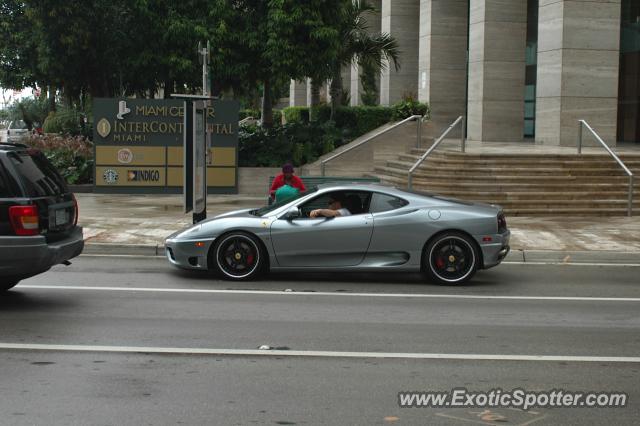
324	213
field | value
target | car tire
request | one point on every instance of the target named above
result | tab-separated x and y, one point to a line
8	283
237	256
451	258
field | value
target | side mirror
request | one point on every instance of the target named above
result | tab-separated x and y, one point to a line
292	213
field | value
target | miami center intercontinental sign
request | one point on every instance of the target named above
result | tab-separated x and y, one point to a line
138	146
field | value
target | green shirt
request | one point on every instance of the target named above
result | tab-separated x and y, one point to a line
285	192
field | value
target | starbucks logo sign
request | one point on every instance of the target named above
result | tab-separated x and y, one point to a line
110	176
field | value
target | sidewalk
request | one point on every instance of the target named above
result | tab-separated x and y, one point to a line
138	224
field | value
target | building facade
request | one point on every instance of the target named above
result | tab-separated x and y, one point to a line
517	69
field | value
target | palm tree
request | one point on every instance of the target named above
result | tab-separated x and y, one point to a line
360	47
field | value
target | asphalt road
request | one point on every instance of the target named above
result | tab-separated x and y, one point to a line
112	319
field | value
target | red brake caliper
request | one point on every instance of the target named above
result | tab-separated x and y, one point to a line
439	262
250	259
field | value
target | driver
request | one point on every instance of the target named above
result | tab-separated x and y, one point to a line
336	201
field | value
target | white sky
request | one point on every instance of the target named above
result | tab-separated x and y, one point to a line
9	96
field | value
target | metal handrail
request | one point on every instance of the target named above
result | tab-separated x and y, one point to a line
460	119
413	117
582	123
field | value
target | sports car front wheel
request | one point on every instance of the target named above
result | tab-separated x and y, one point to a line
451	258
238	256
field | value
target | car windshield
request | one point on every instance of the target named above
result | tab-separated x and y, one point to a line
268	209
18	124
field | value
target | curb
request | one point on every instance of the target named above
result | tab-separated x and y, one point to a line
520	256
573	256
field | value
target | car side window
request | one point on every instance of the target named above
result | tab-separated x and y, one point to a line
319	202
355	201
383	203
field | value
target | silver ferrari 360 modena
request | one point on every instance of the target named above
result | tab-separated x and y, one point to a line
388	229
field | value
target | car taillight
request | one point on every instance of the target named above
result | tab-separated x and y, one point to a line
76	210
502	223
24	220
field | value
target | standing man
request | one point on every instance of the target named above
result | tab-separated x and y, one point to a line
287	172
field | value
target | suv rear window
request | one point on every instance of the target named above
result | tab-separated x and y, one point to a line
37	174
4	190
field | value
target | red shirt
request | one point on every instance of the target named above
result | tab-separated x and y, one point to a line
296	182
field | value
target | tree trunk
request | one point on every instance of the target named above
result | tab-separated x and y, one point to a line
168	88
336	91
267	107
52	97
315	92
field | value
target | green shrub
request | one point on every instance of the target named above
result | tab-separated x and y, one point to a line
372	117
320	113
346	118
296	114
244	113
68	121
300	141
51	124
354	121
277	117
408	107
72	156
292	142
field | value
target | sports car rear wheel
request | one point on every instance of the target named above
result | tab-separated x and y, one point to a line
451	258
238	256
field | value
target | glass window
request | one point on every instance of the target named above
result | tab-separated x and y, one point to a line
383	202
629	79
37	175
268	209
354	201
18	124
4	189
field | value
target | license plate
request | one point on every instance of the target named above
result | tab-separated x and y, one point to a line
62	217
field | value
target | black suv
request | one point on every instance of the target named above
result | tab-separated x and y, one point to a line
38	216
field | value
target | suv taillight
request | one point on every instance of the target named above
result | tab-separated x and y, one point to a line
76	210
502	223
24	220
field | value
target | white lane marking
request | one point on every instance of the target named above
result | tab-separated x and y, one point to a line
329	354
560	263
327	293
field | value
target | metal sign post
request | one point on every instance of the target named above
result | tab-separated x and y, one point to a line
187	157
195	147
199	162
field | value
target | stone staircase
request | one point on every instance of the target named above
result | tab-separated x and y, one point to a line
523	184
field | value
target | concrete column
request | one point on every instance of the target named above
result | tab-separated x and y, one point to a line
308	92
497	43
373	22
401	19
578	62
443	59
355	86
298	93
